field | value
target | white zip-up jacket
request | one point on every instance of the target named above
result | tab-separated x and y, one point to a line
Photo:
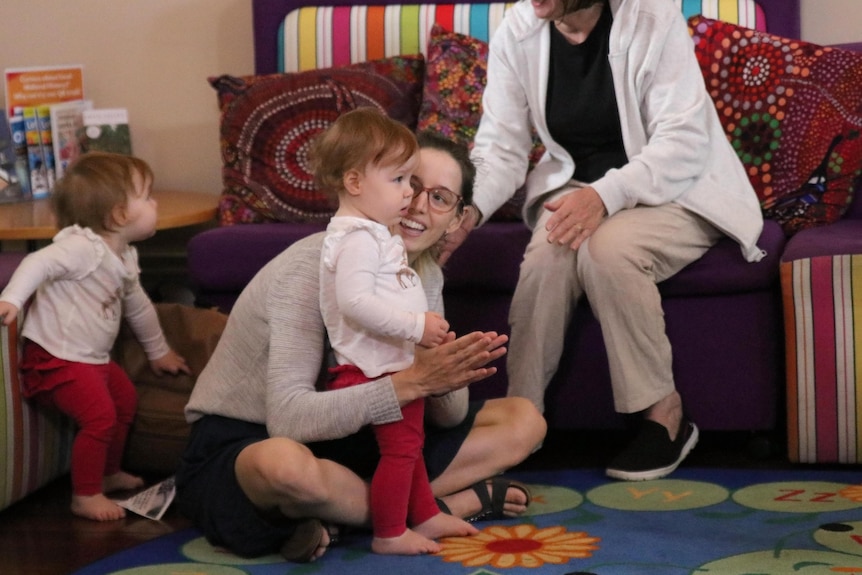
676	146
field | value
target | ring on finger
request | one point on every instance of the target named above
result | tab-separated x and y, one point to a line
579	227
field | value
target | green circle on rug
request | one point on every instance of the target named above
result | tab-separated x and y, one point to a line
199	549
658	495
806	561
547	499
796	497
844	536
181	569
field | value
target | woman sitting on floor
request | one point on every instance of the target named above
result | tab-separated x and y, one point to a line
273	462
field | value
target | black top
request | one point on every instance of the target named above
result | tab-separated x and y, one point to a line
582	112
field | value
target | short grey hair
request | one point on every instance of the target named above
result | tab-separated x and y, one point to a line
570	6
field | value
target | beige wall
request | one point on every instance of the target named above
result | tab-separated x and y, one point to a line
832	21
153	57
150	56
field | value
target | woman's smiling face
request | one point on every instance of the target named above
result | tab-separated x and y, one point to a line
421	228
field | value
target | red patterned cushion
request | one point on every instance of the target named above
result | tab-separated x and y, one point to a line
455	71
792	111
268	122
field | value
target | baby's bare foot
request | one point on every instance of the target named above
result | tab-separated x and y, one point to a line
96	507
121	481
444	525
408	543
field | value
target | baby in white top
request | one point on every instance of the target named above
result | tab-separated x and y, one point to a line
375	311
79	288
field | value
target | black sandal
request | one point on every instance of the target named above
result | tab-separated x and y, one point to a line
442	505
306	539
493	504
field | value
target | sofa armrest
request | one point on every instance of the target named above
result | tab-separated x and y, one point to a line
840	238
37	447
821	270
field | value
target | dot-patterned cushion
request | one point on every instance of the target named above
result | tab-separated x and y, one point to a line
792	111
268	122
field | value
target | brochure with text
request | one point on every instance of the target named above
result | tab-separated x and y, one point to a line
35	86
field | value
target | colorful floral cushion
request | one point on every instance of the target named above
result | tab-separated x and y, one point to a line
455	71
792	111
268	122
455	74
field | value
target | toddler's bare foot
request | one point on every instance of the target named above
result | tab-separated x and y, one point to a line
408	543
121	481
96	507
444	525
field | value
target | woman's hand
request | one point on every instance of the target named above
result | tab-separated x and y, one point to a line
576	216
454	364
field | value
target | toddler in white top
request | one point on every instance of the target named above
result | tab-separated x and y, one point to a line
375	312
79	288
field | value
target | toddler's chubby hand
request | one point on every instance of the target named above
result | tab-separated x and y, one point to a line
8	312
170	363
435	331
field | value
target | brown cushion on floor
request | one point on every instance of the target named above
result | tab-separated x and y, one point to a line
159	433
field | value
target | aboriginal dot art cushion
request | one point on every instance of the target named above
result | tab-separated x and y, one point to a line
792	111
268	122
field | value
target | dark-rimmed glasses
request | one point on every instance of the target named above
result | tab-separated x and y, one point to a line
440	200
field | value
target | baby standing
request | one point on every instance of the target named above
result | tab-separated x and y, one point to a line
82	285
375	311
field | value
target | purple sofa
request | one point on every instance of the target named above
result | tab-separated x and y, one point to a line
724	316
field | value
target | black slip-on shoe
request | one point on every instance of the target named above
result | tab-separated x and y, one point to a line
652	455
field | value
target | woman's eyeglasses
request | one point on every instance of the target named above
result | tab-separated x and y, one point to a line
440	200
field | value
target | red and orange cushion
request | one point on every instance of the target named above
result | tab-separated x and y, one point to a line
793	112
268	123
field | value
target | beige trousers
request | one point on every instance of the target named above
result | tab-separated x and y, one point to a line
617	268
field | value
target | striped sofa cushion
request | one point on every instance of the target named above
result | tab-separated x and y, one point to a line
743	12
323	36
823	335
35	444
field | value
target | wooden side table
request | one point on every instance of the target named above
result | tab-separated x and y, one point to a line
33	220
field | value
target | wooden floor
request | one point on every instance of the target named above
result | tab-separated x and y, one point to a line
39	536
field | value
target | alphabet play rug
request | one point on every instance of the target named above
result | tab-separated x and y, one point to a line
699	521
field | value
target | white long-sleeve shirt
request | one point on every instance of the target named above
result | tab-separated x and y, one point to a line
83	291
372	303
677	149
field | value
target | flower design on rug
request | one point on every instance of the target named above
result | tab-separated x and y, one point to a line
518	546
853	493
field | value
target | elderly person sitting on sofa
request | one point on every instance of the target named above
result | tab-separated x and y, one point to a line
638	181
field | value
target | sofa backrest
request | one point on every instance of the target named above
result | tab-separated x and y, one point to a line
313	37
320	37
780	17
